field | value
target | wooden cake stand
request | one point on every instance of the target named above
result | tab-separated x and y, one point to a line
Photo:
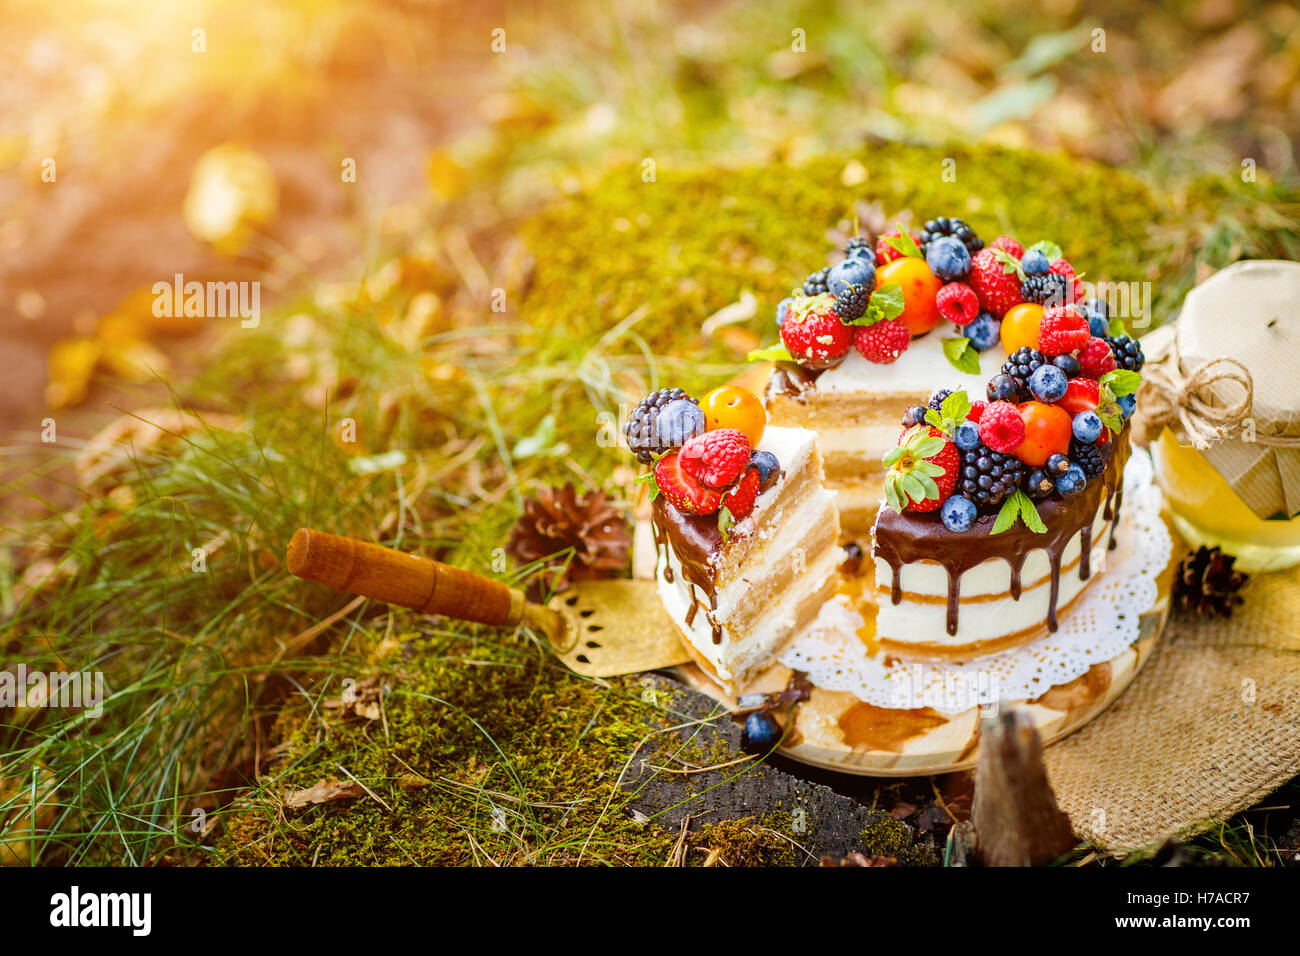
837	731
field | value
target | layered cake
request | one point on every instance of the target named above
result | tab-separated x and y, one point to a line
970	405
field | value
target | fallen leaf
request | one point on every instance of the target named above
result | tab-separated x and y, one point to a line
324	791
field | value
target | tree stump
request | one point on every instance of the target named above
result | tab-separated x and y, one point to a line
1015	816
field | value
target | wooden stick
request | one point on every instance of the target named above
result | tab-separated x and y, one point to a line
374	571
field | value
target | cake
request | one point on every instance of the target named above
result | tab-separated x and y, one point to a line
957	410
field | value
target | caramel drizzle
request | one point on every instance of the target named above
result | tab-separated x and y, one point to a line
910	537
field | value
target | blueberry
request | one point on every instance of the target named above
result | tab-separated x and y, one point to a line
1087	426
1038	484
767	465
914	415
983	332
948	258
1098	315
1003	388
1056	465
1071	483
851	275
761	733
1068	364
1034	262
958	513
1126	404
1048	383
679	422
782	308
967	436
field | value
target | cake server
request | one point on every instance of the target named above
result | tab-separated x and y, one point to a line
597	628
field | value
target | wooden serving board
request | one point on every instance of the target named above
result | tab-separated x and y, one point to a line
837	731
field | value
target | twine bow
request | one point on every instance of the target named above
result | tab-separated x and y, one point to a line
1169	397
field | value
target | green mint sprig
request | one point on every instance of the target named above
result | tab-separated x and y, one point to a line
1018	507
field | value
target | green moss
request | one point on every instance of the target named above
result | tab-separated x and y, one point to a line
889	837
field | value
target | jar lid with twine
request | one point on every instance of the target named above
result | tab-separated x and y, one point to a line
1225	379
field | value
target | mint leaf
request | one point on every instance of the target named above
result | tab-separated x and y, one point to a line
961	355
904	243
885	303
1122	381
1049	249
1007	516
773	353
1108	409
1029	514
956	406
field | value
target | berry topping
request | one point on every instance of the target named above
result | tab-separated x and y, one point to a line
937	397
740	499
1098	313
1081	395
1020	326
1003	388
1128	354
914	415
1008	245
958	513
988	476
769	469
1034	263
681	490
1127	405
882	342
1056	465
858	247
919	287
814	334
976	412
782	308
716	458
1074	288
922	470
944	226
1072	482
1088	457
685	422
984	331
1096	358
958	303
731	406
948	258
967	435
1068	364
1038	484
1047	432
995	282
761	734
1062	330
815	284
1048	383
851	277
1086	426
1001	427
1021	364
885	252
1047	288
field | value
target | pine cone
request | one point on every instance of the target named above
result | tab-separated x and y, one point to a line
1206	583
558	520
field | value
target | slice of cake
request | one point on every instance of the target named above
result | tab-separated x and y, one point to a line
745	532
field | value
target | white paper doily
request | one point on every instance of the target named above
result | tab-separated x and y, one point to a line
1104	620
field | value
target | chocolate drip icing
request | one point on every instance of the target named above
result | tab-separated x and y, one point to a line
921	536
792	380
1085	552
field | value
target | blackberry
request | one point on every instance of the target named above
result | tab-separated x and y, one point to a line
1087	456
988	476
1021	364
858	246
640	423
815	284
1047	287
852	304
1128	354
943	226
936	400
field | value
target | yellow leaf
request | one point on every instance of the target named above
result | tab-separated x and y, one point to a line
233	191
71	363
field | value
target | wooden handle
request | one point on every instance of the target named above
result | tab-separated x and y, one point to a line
374	571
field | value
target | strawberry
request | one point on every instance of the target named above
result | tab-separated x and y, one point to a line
1062	329
682	491
882	342
997	289
923	469
1081	395
813	333
1008	245
740	499
717	458
887	253
1096	358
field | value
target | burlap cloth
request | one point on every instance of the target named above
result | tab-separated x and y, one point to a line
1210	726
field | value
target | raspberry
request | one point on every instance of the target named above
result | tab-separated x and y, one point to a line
887	253
813	332
997	290
882	342
717	458
1096	359
740	500
1062	330
958	303
1008	245
977	407
1001	427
